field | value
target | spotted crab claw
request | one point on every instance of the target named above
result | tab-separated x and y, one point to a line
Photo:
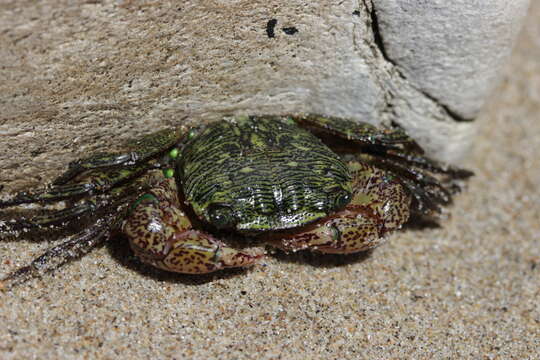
195	252
162	235
380	205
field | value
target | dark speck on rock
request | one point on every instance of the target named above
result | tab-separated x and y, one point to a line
290	30
270	25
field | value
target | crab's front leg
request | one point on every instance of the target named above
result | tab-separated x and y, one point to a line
162	235
379	205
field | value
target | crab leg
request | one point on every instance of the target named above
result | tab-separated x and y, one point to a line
96	206
362	133
418	161
98	182
161	235
397	153
50	218
429	192
73	248
379	205
117	169
142	150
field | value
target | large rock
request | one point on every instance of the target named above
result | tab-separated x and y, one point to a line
83	76
450	50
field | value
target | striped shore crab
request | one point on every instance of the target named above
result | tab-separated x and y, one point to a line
301	182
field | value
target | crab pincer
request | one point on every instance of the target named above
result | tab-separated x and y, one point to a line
379	205
162	235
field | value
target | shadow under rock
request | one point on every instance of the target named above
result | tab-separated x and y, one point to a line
421	223
321	260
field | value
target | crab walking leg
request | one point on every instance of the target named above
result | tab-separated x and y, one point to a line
116	200
139	150
58	217
161	235
74	247
413	160
359	132
106	170
96	183
379	205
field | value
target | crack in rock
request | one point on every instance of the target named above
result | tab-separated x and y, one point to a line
379	42
436	128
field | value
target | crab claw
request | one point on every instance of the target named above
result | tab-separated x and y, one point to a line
162	235
379	205
195	252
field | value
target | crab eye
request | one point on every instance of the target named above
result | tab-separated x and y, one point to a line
342	199
221	216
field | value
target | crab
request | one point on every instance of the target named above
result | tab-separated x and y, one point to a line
269	180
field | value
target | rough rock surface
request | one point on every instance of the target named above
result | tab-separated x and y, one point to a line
82	76
452	51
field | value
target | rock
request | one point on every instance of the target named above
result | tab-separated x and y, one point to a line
78	78
450	50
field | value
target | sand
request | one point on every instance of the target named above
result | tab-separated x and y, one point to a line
468	289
